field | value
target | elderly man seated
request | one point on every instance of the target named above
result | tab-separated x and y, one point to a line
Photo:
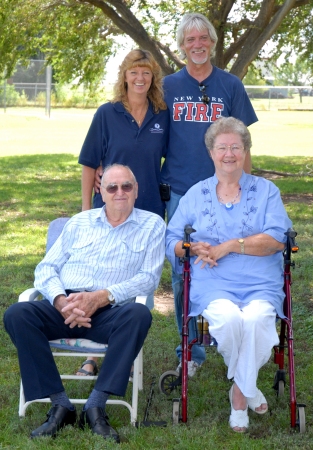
103	259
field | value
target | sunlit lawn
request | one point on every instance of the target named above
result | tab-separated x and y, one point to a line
36	187
26	131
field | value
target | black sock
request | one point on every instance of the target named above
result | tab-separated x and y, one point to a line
97	399
61	399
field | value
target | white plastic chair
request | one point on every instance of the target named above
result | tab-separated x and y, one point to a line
81	348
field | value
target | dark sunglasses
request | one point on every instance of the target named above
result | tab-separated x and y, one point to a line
205	99
126	187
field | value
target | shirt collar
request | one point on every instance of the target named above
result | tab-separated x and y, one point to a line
190	77
119	107
101	216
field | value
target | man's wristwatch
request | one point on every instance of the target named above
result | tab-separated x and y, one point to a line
242	246
111	298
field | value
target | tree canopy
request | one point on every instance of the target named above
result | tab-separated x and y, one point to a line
78	36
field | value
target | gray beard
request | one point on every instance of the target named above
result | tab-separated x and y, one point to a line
200	62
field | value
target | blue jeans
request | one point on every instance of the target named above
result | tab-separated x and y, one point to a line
150	301
197	352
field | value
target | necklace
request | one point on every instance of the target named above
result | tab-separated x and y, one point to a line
142	115
229	205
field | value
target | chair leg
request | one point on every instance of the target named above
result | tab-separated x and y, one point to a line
137	385
133	406
21	407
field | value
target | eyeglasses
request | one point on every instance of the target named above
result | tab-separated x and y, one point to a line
236	149
205	99
126	187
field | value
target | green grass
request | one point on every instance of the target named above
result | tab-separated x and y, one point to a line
34	189
27	131
286	133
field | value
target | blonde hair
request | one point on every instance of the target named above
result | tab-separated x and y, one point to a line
140	58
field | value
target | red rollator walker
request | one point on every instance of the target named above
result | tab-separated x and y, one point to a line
297	411
171	381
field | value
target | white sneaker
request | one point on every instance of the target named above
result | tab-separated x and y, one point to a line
192	368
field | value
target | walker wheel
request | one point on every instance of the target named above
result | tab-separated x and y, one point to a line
176	408
281	388
301	419
169	381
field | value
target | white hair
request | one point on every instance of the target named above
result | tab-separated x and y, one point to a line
191	21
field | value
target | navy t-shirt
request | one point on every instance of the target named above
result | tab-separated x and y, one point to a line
188	161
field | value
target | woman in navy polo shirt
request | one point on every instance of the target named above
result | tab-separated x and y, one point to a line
131	129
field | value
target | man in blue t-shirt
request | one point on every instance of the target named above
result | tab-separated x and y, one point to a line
196	96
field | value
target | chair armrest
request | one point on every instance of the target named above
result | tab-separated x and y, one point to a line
141	299
29	295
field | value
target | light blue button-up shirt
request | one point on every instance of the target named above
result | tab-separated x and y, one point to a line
91	255
239	278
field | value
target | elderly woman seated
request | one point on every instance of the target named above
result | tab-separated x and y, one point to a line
236	262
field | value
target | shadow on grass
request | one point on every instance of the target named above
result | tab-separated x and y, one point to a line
36	189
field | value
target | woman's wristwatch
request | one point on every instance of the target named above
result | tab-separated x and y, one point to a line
242	246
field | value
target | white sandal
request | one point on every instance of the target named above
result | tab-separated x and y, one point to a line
257	401
238	418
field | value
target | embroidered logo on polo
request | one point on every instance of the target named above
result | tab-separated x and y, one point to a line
156	129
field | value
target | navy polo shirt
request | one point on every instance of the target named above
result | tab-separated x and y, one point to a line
115	137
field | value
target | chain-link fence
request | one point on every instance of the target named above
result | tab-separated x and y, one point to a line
281	97
34	86
29	86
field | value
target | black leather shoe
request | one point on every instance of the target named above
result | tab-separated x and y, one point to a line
58	417
98	422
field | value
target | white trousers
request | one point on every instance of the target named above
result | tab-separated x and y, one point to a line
245	337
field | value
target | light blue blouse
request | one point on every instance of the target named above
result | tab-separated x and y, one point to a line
239	278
